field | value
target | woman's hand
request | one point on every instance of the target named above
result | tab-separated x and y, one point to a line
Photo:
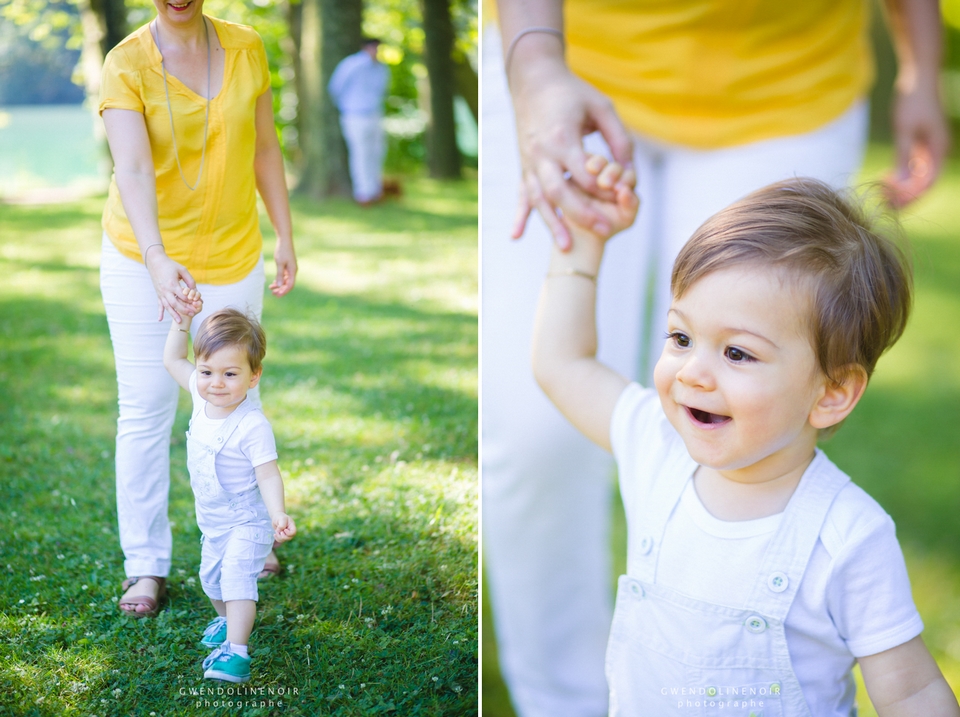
554	110
922	140
167	276
286	260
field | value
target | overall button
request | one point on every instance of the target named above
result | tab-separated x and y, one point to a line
775	689
636	589
777	582
755	624
646	544
711	692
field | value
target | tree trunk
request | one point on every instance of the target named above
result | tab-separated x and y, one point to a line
112	16
443	156
331	30
291	45
468	85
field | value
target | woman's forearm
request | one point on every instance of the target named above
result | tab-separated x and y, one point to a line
138	193
134	173
269	173
916	30
272	185
533	52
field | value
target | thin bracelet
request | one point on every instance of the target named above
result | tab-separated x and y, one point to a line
186	331
573	272
529	30
159	243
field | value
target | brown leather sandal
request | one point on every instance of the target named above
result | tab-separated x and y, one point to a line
128	606
271	570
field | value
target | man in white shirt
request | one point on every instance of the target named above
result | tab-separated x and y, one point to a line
357	86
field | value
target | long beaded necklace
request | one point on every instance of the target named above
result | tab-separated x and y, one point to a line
206	117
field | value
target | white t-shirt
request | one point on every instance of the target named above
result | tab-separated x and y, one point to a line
854	599
252	443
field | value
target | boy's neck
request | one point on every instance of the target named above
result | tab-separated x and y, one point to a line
757	491
221	412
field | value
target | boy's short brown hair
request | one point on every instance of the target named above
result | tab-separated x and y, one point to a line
859	280
230	327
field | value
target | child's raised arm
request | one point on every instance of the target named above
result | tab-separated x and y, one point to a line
565	333
905	681
175	350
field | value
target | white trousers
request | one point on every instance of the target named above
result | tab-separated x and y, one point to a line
366	148
546	489
148	399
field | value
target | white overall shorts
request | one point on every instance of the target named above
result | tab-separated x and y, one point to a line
237	531
669	654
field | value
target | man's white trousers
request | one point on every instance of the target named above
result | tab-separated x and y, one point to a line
366	147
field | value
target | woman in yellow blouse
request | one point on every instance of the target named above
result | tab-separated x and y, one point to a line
188	113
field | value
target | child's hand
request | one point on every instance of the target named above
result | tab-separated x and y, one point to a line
283	528
622	211
194	301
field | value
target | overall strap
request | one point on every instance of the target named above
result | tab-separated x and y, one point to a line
789	551
230	424
660	502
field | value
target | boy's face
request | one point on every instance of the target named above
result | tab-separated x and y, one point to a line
738	377
224	377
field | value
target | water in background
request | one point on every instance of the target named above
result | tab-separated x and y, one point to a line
50	148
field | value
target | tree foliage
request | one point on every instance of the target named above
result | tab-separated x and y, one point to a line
40	30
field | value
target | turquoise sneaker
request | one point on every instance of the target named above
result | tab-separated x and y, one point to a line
222	664
215	634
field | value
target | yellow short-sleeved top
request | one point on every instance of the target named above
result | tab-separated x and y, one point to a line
214	231
718	73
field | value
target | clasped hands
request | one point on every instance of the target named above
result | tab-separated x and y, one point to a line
568	187
555	110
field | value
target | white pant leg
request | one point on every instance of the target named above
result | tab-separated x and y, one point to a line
697	184
546	489
229	565
365	149
148	401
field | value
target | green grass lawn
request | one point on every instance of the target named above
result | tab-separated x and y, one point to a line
370	383
900	444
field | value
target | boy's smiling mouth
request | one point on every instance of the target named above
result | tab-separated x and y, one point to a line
705	418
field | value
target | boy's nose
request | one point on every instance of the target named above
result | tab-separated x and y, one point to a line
695	373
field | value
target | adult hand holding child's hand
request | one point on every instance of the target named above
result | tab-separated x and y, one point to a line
167	276
554	110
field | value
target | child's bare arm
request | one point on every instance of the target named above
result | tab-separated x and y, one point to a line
271	490
906	681
565	333
175	350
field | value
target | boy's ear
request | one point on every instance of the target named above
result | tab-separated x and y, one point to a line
255	378
837	400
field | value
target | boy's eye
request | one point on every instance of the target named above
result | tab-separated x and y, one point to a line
680	339
736	355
